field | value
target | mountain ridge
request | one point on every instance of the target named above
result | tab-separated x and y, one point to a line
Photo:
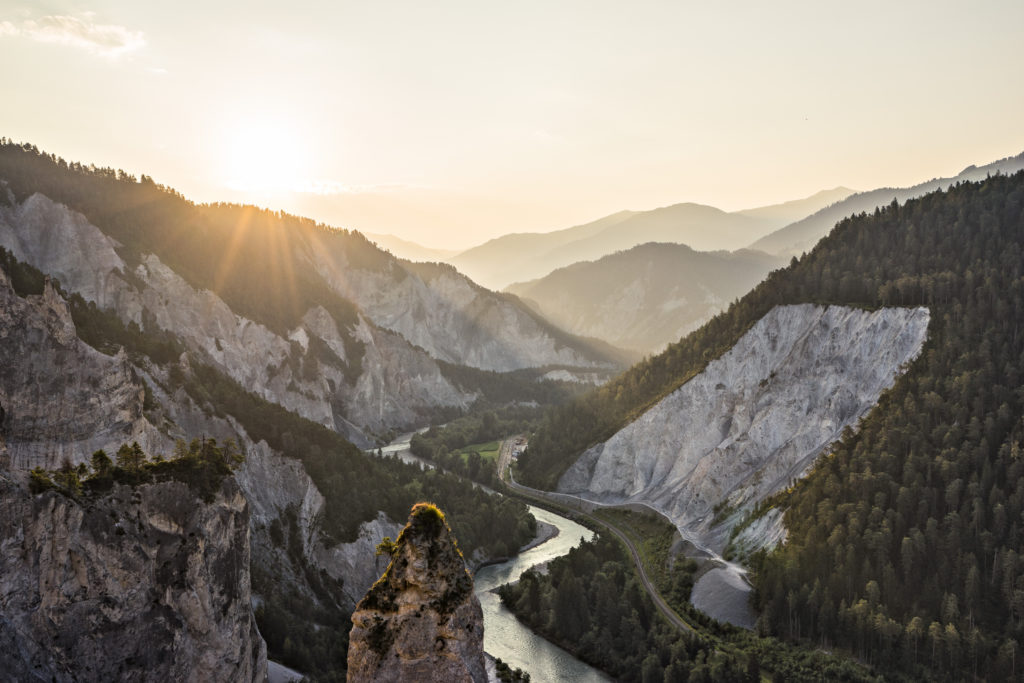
801	235
524	256
644	297
319	307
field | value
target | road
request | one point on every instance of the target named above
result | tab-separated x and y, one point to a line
505	459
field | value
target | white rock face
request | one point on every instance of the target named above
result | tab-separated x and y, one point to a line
755	419
397	381
454	320
767	531
272	484
63	244
60	398
397	384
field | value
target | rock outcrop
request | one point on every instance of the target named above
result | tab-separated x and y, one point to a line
421	621
60	398
278	488
145	583
438	309
755	419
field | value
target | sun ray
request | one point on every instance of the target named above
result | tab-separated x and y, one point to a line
236	242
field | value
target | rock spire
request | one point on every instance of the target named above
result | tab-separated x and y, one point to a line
421	620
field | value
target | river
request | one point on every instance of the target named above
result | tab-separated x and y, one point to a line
504	636
508	639
400	449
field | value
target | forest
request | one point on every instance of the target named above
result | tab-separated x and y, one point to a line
905	541
591	602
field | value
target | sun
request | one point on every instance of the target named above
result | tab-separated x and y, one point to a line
262	157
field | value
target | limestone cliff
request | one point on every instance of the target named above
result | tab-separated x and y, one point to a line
59	397
755	419
276	487
307	372
421	620
438	309
145	583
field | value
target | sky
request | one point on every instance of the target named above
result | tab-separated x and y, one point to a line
449	123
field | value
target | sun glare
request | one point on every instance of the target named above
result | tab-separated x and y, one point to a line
262	157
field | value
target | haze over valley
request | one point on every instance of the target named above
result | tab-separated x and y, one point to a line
508	343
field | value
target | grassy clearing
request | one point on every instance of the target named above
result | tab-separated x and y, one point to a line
488	451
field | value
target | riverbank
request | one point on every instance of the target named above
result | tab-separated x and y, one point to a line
545	532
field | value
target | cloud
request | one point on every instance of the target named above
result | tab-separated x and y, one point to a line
108	40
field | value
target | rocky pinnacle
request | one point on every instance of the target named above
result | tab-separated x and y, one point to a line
421	620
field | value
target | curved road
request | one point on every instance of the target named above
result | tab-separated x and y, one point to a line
505	459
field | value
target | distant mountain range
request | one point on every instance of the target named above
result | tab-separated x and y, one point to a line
645	297
410	251
803	234
525	256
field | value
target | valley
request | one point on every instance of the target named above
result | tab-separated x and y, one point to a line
511	342
322	390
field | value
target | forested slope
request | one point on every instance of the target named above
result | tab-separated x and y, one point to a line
905	544
304	615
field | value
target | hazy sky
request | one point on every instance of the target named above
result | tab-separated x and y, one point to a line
452	122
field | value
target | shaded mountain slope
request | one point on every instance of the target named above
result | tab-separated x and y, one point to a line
754	420
308	317
646	297
315	506
526	256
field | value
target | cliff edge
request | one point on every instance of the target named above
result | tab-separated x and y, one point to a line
141	583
